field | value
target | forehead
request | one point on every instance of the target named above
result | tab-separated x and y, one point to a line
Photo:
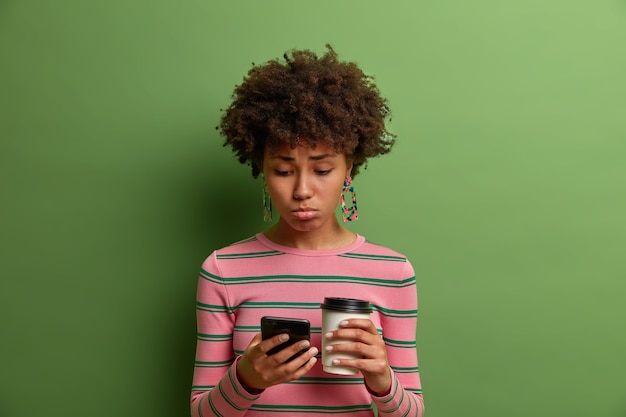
302	151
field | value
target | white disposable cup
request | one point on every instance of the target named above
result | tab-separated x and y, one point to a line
334	311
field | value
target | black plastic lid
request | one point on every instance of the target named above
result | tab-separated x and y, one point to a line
349	305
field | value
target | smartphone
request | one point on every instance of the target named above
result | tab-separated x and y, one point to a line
297	329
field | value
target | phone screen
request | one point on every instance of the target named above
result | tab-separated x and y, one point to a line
297	329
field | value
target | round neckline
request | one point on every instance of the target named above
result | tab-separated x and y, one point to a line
261	238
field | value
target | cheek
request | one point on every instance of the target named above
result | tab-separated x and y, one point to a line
334	194
280	192
274	192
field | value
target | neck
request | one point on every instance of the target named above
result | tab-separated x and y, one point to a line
333	237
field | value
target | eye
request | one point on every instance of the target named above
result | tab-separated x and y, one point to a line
323	171
281	173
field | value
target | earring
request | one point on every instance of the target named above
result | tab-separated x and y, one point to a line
349	213
267	204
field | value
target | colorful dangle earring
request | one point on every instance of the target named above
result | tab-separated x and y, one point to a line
349	213
267	204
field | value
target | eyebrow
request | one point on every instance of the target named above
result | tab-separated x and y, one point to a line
312	157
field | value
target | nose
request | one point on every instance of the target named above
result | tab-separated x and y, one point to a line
303	188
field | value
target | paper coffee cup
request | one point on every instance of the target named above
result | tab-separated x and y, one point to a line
334	311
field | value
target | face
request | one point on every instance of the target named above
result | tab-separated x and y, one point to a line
305	185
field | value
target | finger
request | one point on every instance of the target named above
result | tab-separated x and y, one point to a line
259	348
358	349
366	366
269	344
291	351
355	334
302	359
307	365
376	372
255	340
365	324
299	366
253	349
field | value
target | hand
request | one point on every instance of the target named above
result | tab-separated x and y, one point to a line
364	342
256	370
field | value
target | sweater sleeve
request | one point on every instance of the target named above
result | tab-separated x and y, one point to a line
216	390
399	326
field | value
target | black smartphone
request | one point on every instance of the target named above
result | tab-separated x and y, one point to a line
297	329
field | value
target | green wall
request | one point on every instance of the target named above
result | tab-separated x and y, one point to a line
506	190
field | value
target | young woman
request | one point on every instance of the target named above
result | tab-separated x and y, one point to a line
307	125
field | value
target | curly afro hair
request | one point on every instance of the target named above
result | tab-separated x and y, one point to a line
304	101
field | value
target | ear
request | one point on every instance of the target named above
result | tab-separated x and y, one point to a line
350	164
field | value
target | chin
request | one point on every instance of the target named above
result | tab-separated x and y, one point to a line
305	225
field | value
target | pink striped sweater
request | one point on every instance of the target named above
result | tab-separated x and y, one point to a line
247	280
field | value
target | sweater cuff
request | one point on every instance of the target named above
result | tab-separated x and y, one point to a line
240	389
391	401
228	398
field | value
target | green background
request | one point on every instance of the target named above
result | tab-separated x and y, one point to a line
505	189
